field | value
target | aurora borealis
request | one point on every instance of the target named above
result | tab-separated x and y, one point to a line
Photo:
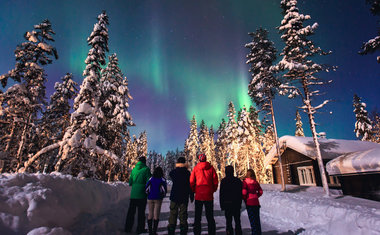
187	57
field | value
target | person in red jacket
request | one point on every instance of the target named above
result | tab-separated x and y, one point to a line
204	182
251	193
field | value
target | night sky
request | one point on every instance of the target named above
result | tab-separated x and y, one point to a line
188	57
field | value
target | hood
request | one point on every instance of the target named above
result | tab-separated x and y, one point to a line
140	165
181	165
250	181
204	165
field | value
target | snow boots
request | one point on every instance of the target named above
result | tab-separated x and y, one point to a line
150	226
183	229
171	229
155	226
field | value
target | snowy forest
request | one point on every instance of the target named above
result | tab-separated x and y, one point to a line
84	130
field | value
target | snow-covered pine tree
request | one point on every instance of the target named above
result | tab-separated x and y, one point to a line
248	147
113	101
170	161
299	129
212	148
221	149
372	45
142	145
363	125
22	103
264	84
131	153
79	154
192	143
205	141
300	69
55	119
375	120
232	136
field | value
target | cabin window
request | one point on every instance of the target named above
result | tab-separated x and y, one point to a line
306	175
333	181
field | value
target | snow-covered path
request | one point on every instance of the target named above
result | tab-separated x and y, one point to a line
57	204
267	228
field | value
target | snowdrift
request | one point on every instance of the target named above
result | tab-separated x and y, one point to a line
60	204
305	209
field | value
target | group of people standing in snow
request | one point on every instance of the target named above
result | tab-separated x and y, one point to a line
199	185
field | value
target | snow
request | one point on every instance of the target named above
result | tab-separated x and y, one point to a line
356	162
60	204
330	148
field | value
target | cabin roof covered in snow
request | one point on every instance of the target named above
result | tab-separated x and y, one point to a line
367	161
330	148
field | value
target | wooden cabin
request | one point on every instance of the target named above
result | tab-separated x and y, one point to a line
299	159
358	172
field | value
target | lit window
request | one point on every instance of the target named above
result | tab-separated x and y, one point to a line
306	175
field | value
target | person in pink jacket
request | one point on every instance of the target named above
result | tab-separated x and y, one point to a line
251	193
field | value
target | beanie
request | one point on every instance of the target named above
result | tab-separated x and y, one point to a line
202	157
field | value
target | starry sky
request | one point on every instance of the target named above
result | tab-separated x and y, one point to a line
185	58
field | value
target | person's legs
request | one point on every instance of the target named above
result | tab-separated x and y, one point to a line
228	215
156	215
130	215
173	217
141	216
236	215
257	219
183	218
150	209
157	209
209	206
198	217
254	219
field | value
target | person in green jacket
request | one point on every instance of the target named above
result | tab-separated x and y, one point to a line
137	180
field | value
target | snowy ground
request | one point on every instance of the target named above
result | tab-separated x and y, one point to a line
60	204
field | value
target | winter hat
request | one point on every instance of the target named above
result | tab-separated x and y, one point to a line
142	159
181	160
202	157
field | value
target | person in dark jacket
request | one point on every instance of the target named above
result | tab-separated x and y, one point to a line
230	197
179	197
251	193
156	189
204	182
137	180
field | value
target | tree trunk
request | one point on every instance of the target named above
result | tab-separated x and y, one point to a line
307	103
22	142
283	187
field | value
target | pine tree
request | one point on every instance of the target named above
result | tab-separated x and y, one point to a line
363	127
300	70
79	153
56	118
113	100
248	147
375	120
232	136
142	145
22	103
212	148
264	83
372	45
299	129
192	143
221	149
205	142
